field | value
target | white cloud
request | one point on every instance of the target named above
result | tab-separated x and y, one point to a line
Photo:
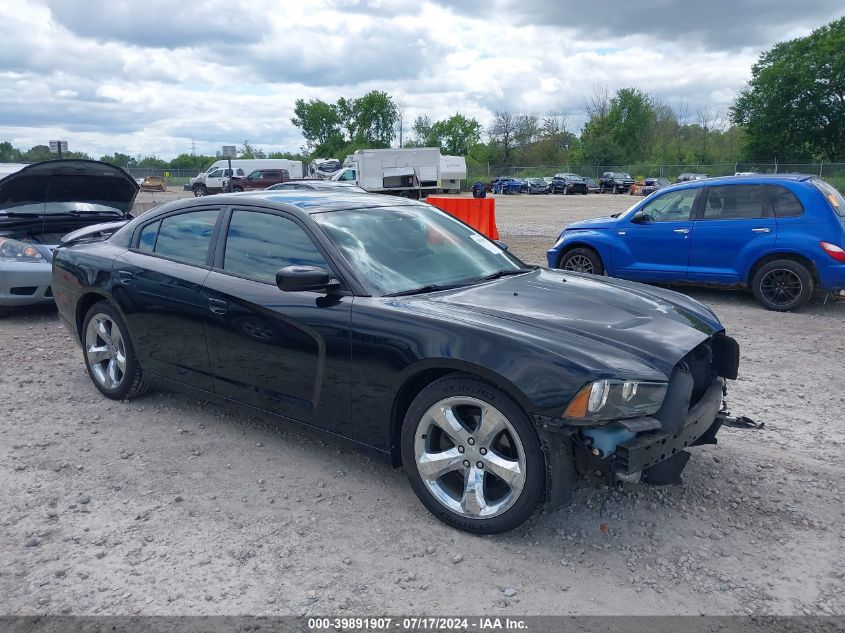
151	78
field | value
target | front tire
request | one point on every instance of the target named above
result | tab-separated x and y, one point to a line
109	354
237	189
783	285
472	456
582	260
200	191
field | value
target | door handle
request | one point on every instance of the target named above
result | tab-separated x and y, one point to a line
217	306
681	231
762	229
125	276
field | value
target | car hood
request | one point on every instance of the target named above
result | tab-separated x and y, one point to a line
66	188
594	223
605	324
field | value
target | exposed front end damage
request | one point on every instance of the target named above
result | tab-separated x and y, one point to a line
649	449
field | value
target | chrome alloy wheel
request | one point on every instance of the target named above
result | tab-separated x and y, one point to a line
470	458
579	264
105	351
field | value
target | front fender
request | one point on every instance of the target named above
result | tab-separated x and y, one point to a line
597	239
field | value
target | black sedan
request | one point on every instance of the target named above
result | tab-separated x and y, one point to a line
396	326
568	184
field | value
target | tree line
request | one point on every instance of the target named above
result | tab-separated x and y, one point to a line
792	110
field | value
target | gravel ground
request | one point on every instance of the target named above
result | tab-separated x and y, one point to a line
171	505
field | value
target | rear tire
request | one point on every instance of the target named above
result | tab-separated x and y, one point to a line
783	285
582	260
466	491
109	355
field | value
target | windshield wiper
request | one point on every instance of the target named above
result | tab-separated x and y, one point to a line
424	289
504	273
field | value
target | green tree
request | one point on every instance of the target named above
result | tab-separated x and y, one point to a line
319	123
192	161
38	153
152	161
121	160
454	136
249	151
794	105
374	118
330	128
8	154
631	120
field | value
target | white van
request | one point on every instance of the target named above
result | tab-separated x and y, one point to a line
211	180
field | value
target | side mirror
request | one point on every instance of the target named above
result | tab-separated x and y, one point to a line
641	218
304	278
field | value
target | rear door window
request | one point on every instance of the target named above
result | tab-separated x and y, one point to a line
784	203
735	202
185	237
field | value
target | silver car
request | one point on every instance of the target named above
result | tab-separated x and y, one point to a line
42	202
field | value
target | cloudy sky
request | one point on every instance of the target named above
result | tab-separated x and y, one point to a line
150	77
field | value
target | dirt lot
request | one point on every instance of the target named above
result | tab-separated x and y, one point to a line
170	505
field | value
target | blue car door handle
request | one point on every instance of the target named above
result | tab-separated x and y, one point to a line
217	306
682	231
762	229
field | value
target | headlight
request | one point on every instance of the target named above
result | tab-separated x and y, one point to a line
15	251
616	400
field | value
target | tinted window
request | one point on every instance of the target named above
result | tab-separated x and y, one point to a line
186	236
735	202
674	206
784	202
259	244
147	241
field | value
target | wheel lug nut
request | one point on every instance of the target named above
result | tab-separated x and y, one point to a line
483	451
471	441
466	463
460	449
479	465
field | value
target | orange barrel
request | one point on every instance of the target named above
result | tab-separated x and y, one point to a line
479	213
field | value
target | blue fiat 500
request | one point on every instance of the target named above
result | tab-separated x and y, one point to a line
782	236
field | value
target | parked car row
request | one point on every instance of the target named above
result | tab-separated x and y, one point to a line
564	183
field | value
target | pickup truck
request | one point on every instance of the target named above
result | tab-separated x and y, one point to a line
258	179
615	181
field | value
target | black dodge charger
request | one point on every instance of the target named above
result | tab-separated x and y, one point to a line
394	325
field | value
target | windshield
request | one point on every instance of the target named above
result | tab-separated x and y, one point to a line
623	175
833	196
400	249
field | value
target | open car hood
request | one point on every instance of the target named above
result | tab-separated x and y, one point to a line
72	186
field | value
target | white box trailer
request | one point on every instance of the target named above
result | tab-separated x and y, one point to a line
453	169
411	172
211	180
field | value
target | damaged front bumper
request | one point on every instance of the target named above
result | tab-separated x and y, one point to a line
650	448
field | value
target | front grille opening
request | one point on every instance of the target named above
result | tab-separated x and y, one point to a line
23	291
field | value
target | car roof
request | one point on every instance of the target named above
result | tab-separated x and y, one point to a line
308	201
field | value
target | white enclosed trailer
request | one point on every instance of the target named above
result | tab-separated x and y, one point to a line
453	169
411	172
